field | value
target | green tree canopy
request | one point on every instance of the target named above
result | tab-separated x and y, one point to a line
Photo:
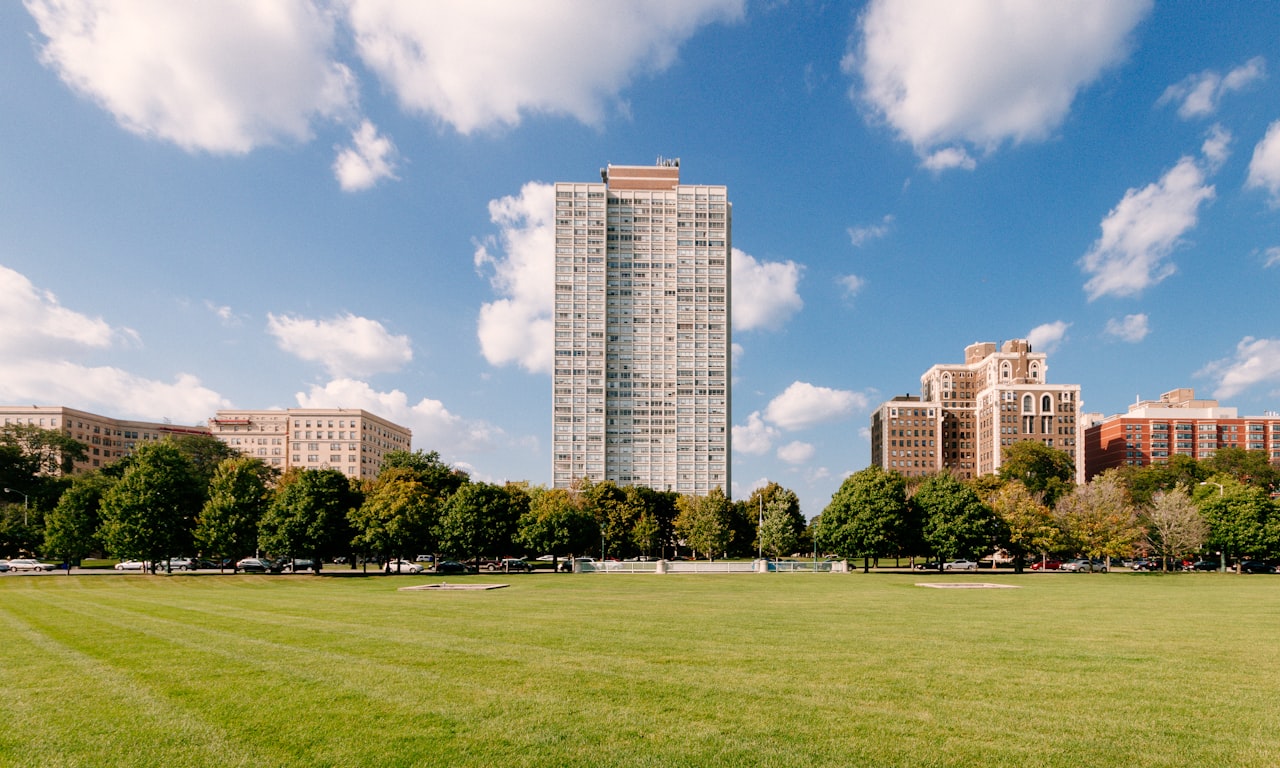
1099	520
955	522
50	451
1241	518
480	519
440	479
398	516
307	516
71	527
149	514
1247	467
779	525
868	516
704	522
1029	524
1043	470
555	525
238	496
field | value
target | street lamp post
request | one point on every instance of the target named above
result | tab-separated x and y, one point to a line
24	504
1222	553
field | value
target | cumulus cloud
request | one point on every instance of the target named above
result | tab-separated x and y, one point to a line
1256	361
1132	328
1140	233
804	405
1216	147
477	65
1047	337
434	426
860	236
1264	168
218	77
983	72
1273	256
346	345
947	159
796	452
517	328
1198	95
370	159
755	437
765	293
38	352
850	285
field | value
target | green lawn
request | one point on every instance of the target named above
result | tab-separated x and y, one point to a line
610	670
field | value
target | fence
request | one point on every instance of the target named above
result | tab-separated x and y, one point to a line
713	566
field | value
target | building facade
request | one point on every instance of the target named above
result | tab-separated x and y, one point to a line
642	383
350	440
1176	424
106	439
967	413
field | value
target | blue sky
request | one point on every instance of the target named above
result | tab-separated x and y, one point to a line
270	204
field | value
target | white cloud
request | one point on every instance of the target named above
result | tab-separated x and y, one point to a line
219	77
477	65
765	293
860	236
434	427
345	345
517	328
1198	95
755	437
1256	361
796	452
983	72
804	405
1046	337
37	349
947	158
1142	230
370	159
1216	147
1133	328
1273	256
1264	168
851	285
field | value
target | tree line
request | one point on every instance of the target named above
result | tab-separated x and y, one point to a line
1033	508
195	495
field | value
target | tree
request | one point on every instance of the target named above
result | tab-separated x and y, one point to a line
955	522
480	519
1143	483
148	514
555	525
51	451
438	477
1098	519
238	495
1248	467
308	515
1241	518
397	517
868	516
1043	470
1028	522
776	512
71	527
704	522
1175	527
204	453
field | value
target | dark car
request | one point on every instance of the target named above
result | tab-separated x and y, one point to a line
514	565
258	565
1256	566
296	565
1206	565
452	567
1144	565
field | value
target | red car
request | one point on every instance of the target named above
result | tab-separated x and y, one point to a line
1046	565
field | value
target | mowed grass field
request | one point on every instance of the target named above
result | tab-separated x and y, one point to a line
638	670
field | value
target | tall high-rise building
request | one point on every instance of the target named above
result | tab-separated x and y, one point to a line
642	386
968	413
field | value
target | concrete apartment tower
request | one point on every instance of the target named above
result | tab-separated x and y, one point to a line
642	384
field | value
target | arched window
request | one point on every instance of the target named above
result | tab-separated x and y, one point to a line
1035	370
1046	404
1028	404
1006	370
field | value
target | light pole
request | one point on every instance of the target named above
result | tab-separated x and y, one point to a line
24	504
760	530
1222	553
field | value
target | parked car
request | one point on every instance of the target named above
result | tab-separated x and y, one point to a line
403	566
959	565
130	565
28	564
1144	564
177	564
3	566
1083	565
424	559
1206	565
452	567
932	565
1050	564
515	565
1256	566
297	565
258	565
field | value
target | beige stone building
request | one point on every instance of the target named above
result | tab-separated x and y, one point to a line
642	386
107	439
347	439
997	397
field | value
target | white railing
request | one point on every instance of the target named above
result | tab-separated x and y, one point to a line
713	566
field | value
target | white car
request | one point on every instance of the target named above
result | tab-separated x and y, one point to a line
403	566
131	565
959	565
27	564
